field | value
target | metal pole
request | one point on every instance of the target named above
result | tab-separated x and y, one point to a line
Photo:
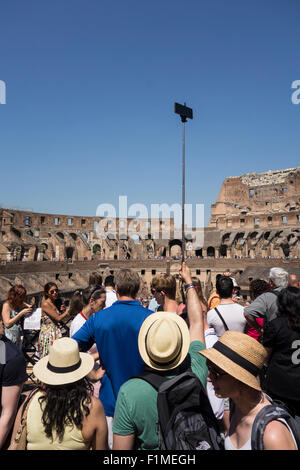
183	187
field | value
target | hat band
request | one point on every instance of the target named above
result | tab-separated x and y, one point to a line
63	370
162	363
236	358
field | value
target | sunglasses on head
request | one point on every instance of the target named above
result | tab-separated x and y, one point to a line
97	287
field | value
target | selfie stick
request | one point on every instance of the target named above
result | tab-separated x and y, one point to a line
184	113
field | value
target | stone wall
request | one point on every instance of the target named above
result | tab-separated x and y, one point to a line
265	200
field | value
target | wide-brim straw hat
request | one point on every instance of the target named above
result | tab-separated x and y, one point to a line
239	355
64	363
163	340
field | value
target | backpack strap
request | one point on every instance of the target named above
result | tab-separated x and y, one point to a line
222	319
2	357
275	293
2	352
263	418
153	379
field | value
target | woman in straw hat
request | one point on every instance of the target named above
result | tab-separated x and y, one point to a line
63	414
234	363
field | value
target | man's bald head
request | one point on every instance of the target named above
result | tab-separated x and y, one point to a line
294	280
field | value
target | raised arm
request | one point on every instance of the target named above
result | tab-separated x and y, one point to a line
52	311
194	309
6	311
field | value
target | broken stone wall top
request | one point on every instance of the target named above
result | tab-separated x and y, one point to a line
253	199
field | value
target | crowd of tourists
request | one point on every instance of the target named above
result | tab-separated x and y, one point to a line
180	372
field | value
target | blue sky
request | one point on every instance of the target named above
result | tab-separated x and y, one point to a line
90	92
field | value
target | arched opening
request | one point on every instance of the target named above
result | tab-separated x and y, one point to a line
69	252
198	253
225	237
44	247
223	251
60	235
74	236
239	236
36	255
175	247
210	252
96	249
286	249
16	232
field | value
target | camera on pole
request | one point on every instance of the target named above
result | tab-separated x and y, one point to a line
185	113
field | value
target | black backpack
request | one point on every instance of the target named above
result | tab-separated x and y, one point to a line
185	418
265	416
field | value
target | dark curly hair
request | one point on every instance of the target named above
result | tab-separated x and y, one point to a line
258	287
288	302
64	405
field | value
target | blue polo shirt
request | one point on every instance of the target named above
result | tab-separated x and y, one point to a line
115	331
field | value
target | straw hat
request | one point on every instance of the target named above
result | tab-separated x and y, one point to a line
64	364
239	355
164	340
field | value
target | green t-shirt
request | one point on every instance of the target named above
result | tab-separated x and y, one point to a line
136	409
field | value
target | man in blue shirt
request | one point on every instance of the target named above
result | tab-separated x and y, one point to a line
115	331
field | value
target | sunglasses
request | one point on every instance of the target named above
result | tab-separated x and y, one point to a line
53	291
216	373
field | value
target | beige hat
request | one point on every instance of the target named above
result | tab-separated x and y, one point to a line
239	355
64	364
164	340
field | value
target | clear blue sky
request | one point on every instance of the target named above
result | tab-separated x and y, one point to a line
91	87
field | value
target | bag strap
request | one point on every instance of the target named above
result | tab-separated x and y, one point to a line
26	403
2	357
156	380
263	418
275	292
24	416
2	352
222	319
